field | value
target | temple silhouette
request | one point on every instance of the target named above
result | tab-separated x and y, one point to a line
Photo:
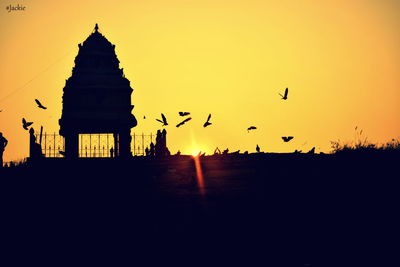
97	98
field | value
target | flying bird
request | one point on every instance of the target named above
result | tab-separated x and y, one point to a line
251	128
284	97
144	117
183	122
26	124
40	104
163	121
287	138
207	123
184	113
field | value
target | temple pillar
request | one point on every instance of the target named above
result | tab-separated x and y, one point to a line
72	146
125	143
116	145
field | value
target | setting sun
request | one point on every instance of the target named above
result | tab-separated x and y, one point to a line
196	152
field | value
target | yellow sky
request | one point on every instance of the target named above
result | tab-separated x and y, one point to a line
340	60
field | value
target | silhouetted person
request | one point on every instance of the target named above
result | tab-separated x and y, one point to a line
258	149
112	152
3	144
178	153
164	137
35	150
158	143
152	149
161	149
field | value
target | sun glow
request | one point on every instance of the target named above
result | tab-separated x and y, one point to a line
195	152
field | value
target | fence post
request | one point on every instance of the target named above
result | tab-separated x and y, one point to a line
45	144
41	133
81	146
90	145
134	144
54	144
142	143
108	146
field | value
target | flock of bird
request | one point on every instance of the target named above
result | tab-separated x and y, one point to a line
26	124
164	122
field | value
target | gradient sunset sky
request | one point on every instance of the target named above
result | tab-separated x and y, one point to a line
339	59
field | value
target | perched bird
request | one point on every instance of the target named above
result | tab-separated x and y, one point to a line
207	123
251	128
144	117
258	149
312	151
284	97
26	124
40	104
183	122
181	113
287	138
163	121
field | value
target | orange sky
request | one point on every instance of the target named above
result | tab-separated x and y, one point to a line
340	60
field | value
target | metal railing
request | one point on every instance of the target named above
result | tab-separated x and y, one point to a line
92	145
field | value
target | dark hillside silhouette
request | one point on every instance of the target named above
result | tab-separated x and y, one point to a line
257	208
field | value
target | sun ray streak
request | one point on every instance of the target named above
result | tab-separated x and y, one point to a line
199	175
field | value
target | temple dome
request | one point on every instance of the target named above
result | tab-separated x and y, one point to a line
97	96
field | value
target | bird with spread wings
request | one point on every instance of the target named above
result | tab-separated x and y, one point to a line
163	121
284	97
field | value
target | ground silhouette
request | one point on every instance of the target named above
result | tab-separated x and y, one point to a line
260	208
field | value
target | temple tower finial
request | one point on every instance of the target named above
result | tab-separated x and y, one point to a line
96	28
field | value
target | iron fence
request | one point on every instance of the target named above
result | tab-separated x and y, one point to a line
92	145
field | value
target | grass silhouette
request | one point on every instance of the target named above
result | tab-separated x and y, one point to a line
362	144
